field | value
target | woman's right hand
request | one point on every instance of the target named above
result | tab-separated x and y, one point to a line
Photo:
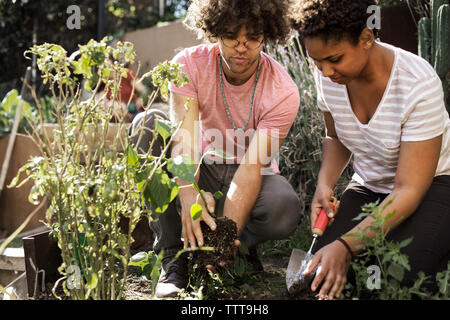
192	232
322	199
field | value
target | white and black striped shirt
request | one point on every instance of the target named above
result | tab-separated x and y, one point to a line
412	109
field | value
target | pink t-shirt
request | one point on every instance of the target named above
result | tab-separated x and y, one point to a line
275	106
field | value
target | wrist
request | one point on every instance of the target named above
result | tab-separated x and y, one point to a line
347	247
323	184
327	178
187	191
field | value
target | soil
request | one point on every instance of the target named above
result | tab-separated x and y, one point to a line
222	240
137	287
140	288
274	274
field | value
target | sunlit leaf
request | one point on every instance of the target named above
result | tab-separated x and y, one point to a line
218	195
182	167
196	211
164	128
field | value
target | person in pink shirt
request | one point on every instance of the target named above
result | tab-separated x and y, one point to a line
242	103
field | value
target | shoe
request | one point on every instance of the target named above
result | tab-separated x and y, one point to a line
253	259
174	277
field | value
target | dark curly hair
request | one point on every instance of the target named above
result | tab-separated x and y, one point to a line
332	19
212	19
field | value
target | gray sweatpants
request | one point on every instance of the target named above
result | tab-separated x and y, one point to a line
274	216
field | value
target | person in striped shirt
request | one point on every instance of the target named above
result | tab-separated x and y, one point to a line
384	106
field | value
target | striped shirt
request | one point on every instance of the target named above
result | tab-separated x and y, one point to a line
411	109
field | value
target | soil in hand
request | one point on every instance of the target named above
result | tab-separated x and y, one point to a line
222	240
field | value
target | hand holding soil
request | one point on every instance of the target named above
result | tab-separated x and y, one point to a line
223	240
192	232
220	233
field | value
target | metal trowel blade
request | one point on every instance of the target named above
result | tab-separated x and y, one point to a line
295	281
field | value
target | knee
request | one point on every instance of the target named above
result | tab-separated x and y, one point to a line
286	214
146	120
142	128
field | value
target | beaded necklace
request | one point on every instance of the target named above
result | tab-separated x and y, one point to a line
225	101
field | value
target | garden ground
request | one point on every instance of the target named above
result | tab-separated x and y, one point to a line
140	288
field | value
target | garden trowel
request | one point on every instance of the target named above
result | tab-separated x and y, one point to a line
299	260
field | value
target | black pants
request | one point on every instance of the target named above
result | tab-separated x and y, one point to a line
429	226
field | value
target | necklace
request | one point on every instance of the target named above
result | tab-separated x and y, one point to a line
225	100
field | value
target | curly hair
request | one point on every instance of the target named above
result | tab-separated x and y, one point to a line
332	19
211	19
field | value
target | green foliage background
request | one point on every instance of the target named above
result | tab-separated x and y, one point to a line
17	18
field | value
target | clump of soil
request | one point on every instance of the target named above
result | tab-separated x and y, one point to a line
222	240
137	287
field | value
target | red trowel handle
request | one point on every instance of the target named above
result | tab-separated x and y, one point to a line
322	220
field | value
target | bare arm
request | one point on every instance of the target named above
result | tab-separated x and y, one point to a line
247	181
184	108
415	172
184	143
335	157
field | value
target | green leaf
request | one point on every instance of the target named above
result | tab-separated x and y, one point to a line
92	281
404	261
155	270
132	157
138	259
239	266
389	216
196	211
396	271
387	257
218	194
243	249
406	242
182	167
141	177
82	67
157	190
164	128
9	101
174	189
361	216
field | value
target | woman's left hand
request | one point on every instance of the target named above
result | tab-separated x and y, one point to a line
334	261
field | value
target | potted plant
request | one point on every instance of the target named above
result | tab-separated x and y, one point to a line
89	185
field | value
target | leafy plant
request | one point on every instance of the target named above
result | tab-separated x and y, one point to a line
187	172
149	264
433	33
8	108
30	113
387	257
231	282
90	184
